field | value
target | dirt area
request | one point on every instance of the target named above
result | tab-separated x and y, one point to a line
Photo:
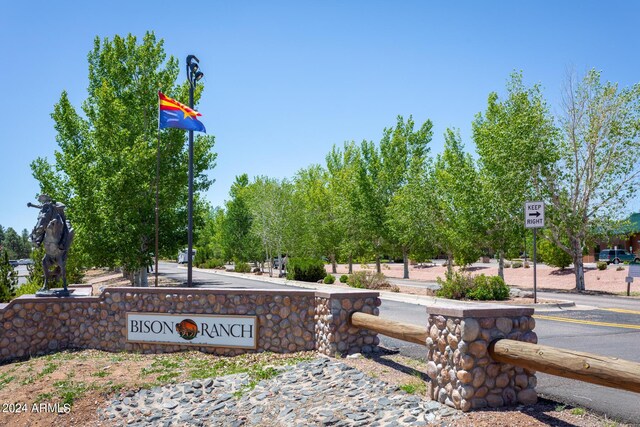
89	379
610	280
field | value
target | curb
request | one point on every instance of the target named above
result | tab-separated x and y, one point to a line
384	295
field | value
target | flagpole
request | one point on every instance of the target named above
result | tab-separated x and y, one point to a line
157	203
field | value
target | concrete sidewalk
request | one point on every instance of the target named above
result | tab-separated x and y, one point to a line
422	300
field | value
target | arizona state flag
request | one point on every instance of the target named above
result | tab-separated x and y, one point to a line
173	114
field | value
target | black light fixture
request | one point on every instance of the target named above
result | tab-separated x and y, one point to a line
193	75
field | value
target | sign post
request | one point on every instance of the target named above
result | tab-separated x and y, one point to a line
534	218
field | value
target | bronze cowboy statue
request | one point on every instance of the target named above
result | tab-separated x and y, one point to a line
54	232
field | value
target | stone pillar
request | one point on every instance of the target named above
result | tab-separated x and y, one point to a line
462	373
334	335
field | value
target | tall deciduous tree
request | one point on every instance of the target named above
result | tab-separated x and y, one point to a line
104	170
239	241
456	203
513	137
343	166
320	227
597	170
407	211
271	206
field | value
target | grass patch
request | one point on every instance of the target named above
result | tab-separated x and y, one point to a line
168	369
49	368
43	396
417	386
69	391
578	411
5	379
560	408
100	374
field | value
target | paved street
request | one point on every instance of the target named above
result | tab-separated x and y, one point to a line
598	324
212	280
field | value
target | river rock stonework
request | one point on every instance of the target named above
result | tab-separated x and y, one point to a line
334	333
463	374
288	321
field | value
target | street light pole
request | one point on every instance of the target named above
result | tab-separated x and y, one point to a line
193	75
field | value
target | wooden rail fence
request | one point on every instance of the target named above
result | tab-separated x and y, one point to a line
592	368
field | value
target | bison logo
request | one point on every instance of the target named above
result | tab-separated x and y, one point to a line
187	329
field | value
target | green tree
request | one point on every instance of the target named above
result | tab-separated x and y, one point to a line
319	225
13	244
512	137
8	278
210	238
597	170
104	170
239	242
343	166
407	212
456	203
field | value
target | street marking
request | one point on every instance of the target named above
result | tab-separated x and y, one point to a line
621	310
587	322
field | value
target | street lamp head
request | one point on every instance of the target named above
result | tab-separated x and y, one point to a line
193	67
198	75
192	58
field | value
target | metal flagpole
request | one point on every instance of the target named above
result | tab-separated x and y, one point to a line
157	203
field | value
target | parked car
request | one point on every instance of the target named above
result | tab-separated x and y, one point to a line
616	256
182	256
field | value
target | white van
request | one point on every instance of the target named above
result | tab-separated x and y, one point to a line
182	256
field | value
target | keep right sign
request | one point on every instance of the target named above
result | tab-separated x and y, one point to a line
534	214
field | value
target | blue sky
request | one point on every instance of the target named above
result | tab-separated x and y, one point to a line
285	81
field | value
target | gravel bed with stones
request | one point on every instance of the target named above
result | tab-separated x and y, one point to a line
322	392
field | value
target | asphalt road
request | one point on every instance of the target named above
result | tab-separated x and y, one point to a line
212	280
602	325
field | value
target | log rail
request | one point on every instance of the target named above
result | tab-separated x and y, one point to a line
592	368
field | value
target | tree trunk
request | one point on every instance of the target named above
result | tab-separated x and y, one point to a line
449	266
350	264
578	266
378	266
501	264
140	278
334	265
405	260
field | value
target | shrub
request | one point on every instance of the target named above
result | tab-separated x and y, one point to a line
29	288
306	269
516	264
553	255
507	265
481	287
455	287
369	280
488	288
329	279
242	267
620	268
344	278
602	265
213	263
